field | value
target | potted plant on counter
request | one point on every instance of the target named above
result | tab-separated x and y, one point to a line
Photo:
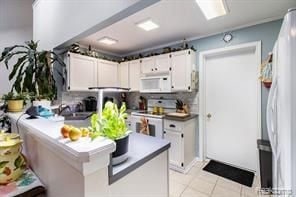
111	124
33	70
15	102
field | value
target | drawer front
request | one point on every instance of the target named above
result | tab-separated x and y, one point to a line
173	125
128	118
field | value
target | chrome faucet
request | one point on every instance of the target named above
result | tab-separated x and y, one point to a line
61	108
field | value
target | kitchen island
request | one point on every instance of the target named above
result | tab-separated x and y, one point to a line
82	168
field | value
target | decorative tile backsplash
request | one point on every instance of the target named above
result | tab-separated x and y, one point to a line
76	97
133	98
189	98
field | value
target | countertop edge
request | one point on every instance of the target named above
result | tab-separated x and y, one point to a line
121	174
82	156
191	116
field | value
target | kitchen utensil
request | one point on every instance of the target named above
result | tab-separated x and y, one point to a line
90	104
160	110
155	110
144	126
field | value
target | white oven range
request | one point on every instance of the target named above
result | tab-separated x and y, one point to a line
155	121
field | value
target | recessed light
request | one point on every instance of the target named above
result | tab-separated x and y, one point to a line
212	8
147	25
107	40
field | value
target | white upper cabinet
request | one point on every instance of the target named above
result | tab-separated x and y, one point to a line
107	73
81	72
147	65
123	74
162	63
134	75
183	65
156	64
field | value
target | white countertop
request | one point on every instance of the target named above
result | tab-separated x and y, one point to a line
83	150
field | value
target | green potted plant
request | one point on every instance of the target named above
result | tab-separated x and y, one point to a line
33	70
111	124
15	102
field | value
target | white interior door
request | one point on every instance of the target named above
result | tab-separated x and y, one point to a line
231	106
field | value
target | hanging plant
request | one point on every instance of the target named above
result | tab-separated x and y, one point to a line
33	71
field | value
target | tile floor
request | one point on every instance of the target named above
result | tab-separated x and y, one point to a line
199	183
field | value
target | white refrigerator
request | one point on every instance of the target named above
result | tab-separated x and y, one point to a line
281	107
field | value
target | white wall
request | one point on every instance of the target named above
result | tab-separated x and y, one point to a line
16	26
57	21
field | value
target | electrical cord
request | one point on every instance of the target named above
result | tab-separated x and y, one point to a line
17	123
18	130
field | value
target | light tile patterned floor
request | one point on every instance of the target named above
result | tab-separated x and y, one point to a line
199	183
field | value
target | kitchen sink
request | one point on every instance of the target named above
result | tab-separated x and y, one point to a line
78	119
78	116
78	123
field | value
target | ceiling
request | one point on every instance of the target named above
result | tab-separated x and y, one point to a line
179	19
15	14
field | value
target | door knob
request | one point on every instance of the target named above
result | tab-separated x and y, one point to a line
209	115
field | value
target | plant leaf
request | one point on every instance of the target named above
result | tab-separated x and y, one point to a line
16	66
3	163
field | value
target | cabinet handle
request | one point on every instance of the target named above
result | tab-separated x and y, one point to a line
172	126
151	69
155	68
172	86
164	132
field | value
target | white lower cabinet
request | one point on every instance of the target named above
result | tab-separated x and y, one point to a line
181	135
175	152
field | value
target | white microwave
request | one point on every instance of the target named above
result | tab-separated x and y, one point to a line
156	84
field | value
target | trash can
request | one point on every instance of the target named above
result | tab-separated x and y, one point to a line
265	157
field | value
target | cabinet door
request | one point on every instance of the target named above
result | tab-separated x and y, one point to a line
123	75
180	71
162	63
82	72
148	65
107	73
176	152
134	75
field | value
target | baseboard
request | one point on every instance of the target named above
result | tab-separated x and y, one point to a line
187	168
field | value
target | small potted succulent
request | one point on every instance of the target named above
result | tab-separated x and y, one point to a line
111	124
15	102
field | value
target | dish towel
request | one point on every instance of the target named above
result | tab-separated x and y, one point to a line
25	183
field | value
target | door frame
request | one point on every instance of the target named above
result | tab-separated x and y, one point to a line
202	73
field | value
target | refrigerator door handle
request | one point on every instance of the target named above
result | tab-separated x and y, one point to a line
271	118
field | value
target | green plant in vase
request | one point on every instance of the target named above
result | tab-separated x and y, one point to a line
33	70
15	102
111	124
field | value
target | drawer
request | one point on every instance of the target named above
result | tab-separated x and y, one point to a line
173	125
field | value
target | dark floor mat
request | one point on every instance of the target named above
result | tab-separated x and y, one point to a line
229	172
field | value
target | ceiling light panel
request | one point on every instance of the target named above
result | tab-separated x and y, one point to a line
108	41
212	8
147	25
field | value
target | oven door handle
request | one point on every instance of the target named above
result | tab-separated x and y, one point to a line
172	126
